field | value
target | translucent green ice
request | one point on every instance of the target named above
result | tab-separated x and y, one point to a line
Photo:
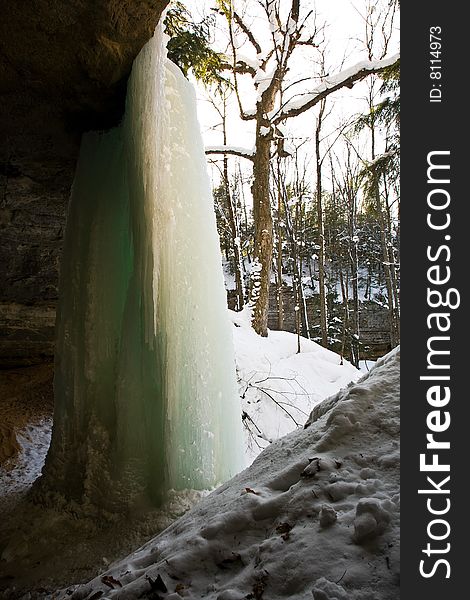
145	390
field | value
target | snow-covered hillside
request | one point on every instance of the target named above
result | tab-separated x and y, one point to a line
279	386
315	516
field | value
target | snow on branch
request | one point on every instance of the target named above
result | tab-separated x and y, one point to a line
382	157
346	78
233	150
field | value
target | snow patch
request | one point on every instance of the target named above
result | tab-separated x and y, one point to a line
279	386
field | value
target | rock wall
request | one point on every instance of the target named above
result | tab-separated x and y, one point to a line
63	70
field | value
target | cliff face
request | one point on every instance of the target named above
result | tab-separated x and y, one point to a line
63	70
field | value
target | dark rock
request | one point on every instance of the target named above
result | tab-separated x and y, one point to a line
26	334
63	70
71	59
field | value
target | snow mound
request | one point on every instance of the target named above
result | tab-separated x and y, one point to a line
315	516
279	386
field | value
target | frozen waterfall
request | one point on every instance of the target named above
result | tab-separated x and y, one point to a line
145	388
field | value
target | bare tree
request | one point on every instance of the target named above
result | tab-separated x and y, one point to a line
290	27
221	108
321	228
346	185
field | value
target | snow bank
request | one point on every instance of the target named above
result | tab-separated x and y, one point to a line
315	516
278	386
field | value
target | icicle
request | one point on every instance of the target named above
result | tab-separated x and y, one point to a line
145	384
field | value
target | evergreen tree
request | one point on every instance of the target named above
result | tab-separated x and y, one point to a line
190	48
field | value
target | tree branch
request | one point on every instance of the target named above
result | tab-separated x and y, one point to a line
343	79
239	21
242	68
243	115
242	152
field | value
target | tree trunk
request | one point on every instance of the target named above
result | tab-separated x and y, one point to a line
280	300
263	222
392	261
353	255
297	240
321	235
384	239
355	298
235	242
345	300
234	230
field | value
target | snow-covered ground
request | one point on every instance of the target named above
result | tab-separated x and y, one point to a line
20	472
279	386
366	365
315	516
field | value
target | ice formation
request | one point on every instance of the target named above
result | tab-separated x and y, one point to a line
145	388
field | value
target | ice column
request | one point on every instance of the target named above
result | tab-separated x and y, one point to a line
145	387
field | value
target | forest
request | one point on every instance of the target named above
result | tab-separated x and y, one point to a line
329	237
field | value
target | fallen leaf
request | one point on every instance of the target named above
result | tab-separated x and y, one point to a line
284	528
111	582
